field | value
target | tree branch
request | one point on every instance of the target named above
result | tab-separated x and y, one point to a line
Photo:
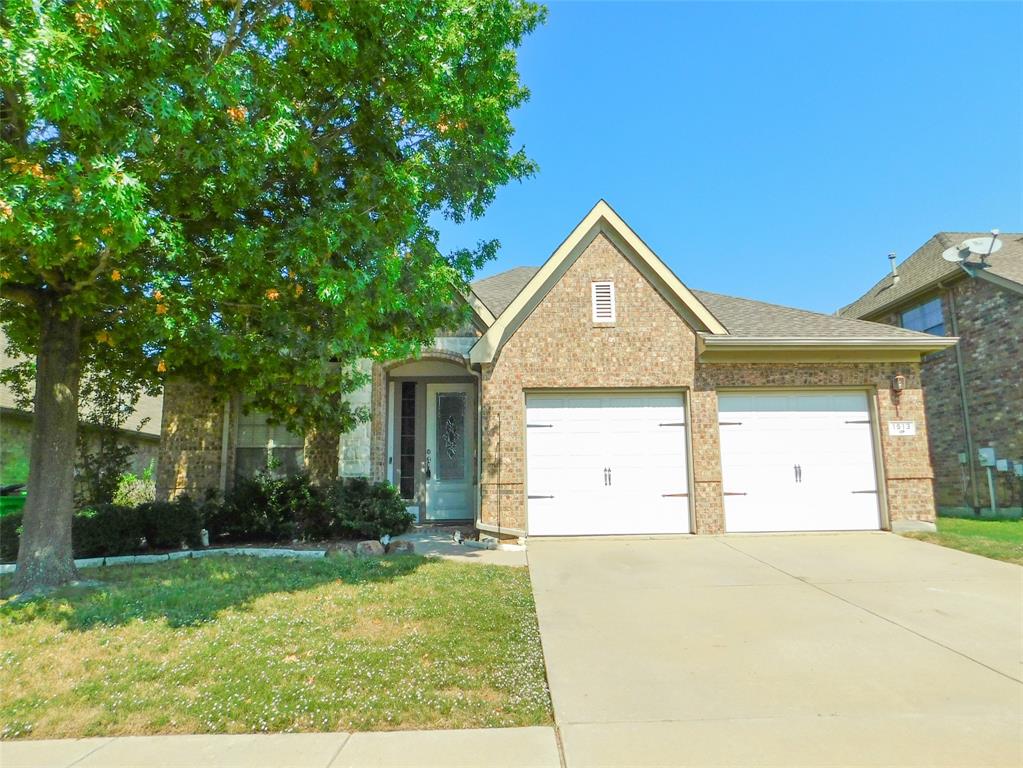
20	293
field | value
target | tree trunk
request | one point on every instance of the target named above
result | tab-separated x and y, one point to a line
44	555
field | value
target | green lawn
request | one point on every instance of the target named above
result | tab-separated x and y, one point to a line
998	539
240	644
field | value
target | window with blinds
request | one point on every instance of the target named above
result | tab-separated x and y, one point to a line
603	302
267	447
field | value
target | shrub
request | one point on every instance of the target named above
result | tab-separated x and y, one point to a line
368	510
271	508
10	535
103	530
133	490
169	524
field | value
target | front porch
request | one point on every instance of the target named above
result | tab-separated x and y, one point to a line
431	433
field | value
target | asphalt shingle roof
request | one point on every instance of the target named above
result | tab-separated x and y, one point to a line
498	291
758	319
742	317
925	267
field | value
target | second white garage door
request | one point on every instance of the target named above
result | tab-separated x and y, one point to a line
606	464
797	461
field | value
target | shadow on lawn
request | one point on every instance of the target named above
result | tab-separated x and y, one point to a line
190	592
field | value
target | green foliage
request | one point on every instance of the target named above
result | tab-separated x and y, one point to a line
368	510
241	192
10	533
106	530
169	524
133	490
271	508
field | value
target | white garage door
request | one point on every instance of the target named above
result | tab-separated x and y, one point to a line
797	462
606	464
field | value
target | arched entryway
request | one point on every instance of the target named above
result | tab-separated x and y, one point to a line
432	428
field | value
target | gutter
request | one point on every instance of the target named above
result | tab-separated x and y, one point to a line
825	343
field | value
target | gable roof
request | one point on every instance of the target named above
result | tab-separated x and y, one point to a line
742	318
925	268
602	219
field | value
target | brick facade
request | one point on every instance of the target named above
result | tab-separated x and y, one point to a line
558	347
650	346
989	322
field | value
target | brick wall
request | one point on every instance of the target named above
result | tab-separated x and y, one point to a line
990	327
558	346
191	439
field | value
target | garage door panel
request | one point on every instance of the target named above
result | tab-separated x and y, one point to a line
804	461
639	437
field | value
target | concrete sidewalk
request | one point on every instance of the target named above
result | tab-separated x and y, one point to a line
483	748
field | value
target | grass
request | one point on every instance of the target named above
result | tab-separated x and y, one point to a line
238	644
1001	539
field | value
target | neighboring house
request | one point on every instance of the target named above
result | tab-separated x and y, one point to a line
141	431
973	392
597	394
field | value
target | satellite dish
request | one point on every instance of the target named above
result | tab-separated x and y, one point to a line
983	246
956	253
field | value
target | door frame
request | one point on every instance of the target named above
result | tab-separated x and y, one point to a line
391	383
873	413
684	391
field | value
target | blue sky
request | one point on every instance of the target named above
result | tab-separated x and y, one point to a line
772	151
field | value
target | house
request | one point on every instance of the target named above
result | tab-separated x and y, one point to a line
973	391
597	394
141	430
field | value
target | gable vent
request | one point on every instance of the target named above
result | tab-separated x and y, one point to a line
604	302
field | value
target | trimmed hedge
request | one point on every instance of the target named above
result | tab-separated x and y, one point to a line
10	536
106	530
169	524
263	508
368	510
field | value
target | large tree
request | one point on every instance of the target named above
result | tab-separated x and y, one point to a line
240	191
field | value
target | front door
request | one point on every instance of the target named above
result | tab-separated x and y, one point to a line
450	437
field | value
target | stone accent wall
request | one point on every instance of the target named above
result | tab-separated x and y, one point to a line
321	455
990	325
190	440
378	431
650	346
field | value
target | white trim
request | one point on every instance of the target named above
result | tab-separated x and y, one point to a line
601	218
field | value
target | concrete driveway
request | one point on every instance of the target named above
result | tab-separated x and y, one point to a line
815	649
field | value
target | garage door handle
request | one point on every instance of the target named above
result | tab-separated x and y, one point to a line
539	497
672	424
729	423
863	491
531	426
673	495
859	421
735	493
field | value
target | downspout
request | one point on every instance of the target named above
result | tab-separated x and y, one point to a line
971	453
479	439
225	434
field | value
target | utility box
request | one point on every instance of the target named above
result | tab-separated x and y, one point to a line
986	456
1002	465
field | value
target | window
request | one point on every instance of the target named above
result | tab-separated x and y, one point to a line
407	441
262	445
604	302
925	317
